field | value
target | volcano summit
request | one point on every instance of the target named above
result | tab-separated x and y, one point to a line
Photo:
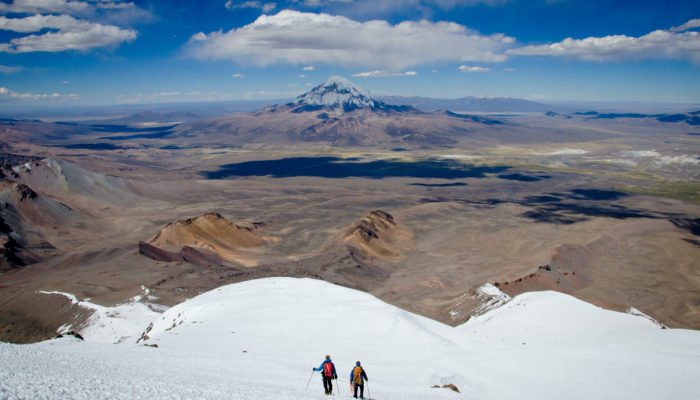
339	93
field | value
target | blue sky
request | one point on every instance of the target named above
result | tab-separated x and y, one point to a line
90	52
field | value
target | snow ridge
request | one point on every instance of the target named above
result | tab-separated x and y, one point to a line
256	340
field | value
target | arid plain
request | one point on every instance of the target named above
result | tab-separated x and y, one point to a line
606	209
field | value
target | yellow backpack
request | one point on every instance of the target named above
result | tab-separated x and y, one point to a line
358	374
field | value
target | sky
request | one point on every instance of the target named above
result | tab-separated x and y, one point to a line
58	53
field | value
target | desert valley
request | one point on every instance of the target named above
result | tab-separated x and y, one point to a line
419	208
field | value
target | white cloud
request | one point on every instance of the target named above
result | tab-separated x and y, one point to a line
374	74
308	68
6	94
96	36
693	23
66	82
63	6
238	76
465	68
232	5
82	35
67	32
265	7
38	22
10	69
268	7
656	44
49	6
299	38
383	74
302	76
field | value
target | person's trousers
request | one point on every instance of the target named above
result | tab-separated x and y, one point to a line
362	390
328	383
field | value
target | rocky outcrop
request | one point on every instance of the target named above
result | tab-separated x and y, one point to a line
566	272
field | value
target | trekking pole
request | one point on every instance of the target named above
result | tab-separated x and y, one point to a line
307	383
369	395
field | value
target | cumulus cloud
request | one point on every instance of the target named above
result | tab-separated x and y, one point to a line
238	75
265	7
308	68
466	68
656	44
7	94
79	25
300	38
39	22
71	34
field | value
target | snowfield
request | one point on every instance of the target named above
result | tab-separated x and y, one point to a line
259	340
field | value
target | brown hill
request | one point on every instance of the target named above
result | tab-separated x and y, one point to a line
377	236
209	239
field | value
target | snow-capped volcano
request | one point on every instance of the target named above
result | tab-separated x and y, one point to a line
338	92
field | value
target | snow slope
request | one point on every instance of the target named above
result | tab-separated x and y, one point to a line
338	92
121	323
257	340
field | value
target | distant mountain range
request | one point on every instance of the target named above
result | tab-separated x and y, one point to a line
337	113
471	104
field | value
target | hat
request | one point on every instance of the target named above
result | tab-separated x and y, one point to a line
328	357
357	363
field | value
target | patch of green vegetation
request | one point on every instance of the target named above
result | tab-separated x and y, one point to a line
688	192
